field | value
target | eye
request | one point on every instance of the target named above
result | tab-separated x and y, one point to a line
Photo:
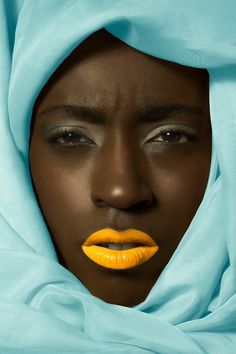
171	135
69	137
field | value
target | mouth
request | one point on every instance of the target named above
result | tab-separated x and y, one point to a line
119	250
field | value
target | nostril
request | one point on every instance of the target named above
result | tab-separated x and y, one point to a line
128	206
144	204
126	195
99	202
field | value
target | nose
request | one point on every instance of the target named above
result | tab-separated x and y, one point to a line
119	180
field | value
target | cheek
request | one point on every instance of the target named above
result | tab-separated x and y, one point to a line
62	190
181	183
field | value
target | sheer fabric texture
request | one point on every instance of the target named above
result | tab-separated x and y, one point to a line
44	308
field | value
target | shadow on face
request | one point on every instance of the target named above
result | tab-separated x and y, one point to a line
120	140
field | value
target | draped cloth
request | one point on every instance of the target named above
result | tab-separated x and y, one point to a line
44	308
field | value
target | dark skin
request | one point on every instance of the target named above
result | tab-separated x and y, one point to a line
124	172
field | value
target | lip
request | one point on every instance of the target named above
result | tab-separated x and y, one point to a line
119	259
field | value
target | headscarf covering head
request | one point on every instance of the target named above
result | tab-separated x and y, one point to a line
44	308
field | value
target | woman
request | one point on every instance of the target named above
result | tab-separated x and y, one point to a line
147	173
121	132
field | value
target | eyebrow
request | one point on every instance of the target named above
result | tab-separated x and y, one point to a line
154	113
77	112
146	115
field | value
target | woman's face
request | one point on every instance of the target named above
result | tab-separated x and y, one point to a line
120	140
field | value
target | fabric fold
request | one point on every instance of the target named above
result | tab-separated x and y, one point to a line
44	308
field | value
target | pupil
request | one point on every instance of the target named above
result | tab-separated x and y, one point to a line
170	136
69	136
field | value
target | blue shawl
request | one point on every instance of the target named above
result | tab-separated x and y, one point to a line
44	308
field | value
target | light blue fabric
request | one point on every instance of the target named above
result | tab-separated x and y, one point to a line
43	307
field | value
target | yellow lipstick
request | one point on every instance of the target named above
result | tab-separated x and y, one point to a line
141	247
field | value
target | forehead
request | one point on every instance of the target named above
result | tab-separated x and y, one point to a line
103	70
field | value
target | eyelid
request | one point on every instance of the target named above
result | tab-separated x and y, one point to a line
172	127
73	128
76	130
66	128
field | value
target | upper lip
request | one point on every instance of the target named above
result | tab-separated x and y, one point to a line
109	235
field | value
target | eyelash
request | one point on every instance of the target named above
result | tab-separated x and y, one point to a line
64	133
176	131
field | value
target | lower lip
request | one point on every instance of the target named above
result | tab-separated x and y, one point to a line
119	259
123	259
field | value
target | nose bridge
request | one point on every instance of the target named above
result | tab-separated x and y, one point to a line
123	165
118	180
